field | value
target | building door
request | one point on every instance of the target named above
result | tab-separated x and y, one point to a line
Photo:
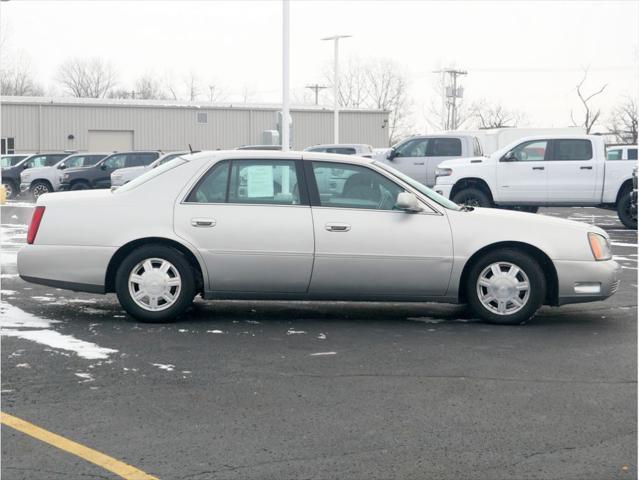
110	140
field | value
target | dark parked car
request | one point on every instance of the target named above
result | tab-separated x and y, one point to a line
99	175
11	173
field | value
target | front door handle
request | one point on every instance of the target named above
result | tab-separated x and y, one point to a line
418	163
585	168
337	227
202	222
537	168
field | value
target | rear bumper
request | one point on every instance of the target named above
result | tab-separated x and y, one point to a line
76	268
586	281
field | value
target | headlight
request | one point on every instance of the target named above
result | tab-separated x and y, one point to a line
25	175
116	177
600	246
443	172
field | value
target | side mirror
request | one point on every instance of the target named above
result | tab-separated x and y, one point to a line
391	155
408	202
103	166
62	166
25	166
509	157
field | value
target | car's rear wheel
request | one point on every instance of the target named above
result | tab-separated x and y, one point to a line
10	189
472	197
80	186
155	283
40	188
626	213
506	287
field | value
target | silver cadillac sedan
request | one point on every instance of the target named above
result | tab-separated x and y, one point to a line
306	226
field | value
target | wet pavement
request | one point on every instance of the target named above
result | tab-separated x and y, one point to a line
282	390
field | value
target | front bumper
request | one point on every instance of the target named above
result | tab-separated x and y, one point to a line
24	187
443	190
586	281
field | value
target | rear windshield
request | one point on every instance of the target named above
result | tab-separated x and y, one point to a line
340	150
152	173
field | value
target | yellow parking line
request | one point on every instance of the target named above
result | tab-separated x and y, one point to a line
100	459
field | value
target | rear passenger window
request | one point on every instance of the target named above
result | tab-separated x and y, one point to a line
632	154
568	149
212	187
444	147
614	154
264	182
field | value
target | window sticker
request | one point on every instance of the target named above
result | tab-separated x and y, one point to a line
260	181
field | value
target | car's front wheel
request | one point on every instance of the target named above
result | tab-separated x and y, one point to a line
155	283
506	287
40	188
472	197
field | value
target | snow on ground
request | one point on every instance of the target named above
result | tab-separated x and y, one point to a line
15	322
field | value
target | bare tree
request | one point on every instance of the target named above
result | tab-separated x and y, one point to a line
147	87
376	83
16	78
624	121
192	87
591	115
495	115
88	77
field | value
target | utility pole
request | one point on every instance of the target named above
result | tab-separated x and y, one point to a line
450	94
336	39
316	88
286	143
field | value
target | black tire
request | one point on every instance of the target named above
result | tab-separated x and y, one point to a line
80	185
528	265
472	197
40	187
10	188
187	289
626	213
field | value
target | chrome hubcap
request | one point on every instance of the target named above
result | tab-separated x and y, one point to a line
503	288
155	284
40	190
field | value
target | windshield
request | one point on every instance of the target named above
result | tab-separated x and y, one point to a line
11	160
154	172
81	161
424	190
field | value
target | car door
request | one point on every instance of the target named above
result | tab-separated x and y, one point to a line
409	158
103	171
522	175
251	221
572	171
439	150
366	248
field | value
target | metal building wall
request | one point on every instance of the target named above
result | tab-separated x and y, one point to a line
46	126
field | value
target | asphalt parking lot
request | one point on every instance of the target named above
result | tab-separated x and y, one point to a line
299	390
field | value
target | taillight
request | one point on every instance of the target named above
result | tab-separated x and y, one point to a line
35	224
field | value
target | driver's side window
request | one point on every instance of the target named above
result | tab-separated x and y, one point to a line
412	148
116	161
344	185
533	151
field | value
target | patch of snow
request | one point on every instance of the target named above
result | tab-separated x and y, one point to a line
80	300
253	322
43	299
9	275
322	336
168	367
182	330
23	365
320	354
86	377
214	331
619	257
425	319
295	332
13	317
7	292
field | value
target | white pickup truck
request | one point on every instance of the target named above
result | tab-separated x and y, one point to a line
542	171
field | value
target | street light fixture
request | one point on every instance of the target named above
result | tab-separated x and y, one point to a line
336	39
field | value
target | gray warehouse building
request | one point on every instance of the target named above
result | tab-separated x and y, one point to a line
38	124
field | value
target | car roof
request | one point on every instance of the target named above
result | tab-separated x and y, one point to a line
277	155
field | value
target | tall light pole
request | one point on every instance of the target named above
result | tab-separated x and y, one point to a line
286	106
336	39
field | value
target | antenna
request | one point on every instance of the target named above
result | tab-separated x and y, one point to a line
190	149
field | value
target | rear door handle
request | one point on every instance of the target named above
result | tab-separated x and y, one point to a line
202	222
537	168
585	168
337	227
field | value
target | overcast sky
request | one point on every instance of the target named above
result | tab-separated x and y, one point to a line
526	55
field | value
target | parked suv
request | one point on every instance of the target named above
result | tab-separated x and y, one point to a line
124	175
358	149
47	179
11	173
99	175
621	152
